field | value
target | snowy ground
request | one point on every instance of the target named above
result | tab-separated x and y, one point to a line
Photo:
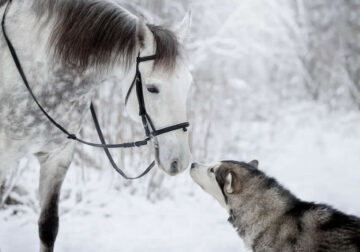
125	223
316	154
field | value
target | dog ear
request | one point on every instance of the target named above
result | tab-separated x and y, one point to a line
254	164
231	185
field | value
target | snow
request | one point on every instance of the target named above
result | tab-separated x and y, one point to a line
125	223
261	91
313	152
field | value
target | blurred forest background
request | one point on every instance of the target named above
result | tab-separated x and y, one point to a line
262	71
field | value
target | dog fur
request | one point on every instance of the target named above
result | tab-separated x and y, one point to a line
269	218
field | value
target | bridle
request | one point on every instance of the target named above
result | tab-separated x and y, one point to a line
150	132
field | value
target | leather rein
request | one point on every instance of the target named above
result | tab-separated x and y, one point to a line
150	131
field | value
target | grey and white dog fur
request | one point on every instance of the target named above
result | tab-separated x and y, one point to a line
268	217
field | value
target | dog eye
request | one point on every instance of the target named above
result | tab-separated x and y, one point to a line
153	89
212	170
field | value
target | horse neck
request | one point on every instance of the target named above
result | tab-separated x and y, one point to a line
63	92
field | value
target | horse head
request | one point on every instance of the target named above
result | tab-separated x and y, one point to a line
166	82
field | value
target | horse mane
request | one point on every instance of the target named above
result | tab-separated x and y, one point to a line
2	2
97	33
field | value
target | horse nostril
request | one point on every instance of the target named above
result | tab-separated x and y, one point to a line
174	166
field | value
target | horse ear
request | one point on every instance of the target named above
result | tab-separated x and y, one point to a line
145	37
183	28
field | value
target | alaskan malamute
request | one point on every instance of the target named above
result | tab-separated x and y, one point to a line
269	218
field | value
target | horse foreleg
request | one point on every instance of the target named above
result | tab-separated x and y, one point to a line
5	167
53	168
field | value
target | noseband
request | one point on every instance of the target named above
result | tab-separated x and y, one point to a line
150	133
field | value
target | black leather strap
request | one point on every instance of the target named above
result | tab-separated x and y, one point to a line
107	152
182	126
145	58
138	60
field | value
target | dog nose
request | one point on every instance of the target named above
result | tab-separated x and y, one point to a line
193	165
174	168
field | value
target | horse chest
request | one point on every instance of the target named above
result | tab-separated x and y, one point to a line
64	94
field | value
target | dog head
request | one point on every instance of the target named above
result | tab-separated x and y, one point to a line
223	180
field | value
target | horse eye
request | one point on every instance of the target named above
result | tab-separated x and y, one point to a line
153	89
